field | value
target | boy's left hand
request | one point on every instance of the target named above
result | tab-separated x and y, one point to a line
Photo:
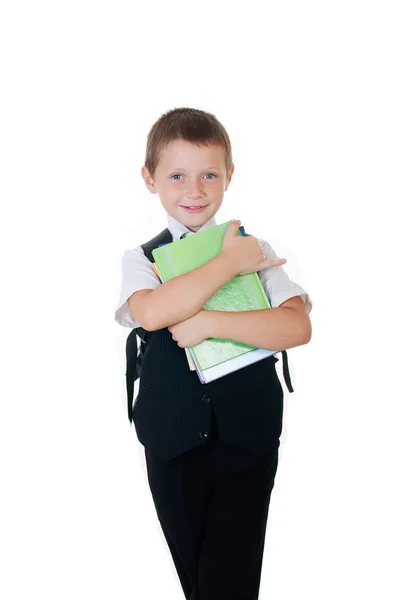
192	331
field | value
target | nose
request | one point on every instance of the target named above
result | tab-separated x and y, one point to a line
194	190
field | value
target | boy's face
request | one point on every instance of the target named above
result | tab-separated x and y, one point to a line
191	181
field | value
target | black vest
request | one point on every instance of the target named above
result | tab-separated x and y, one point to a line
173	410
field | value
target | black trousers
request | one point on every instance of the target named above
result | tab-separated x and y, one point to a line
212	503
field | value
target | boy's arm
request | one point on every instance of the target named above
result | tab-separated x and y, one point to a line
181	297
279	328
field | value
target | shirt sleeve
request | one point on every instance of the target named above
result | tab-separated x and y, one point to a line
277	284
137	274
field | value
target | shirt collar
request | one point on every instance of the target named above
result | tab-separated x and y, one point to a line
177	229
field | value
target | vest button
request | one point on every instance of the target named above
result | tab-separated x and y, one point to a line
203	434
206	398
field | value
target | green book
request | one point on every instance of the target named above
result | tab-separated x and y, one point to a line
214	358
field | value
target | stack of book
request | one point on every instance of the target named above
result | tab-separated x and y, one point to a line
214	358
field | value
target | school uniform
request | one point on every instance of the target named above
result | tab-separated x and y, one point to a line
211	450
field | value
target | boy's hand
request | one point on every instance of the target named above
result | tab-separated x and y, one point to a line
192	331
244	253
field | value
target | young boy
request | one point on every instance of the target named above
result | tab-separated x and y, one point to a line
211	450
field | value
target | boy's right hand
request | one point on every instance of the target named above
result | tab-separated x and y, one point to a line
244	253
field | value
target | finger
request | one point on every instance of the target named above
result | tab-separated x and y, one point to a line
276	263
233	227
267	264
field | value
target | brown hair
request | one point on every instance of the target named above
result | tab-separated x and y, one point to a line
189	124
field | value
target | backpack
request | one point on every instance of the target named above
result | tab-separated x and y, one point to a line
135	354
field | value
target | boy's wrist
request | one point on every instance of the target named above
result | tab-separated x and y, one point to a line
210	323
226	265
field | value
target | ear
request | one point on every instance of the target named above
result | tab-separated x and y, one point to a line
149	182
229	175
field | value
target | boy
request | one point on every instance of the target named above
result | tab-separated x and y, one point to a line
211	450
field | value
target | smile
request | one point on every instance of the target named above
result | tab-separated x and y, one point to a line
194	209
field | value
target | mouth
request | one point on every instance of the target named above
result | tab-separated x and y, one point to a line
195	209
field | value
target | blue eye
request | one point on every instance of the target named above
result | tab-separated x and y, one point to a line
179	175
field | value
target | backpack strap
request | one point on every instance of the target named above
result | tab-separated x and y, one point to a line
132	374
164	237
286	374
131	361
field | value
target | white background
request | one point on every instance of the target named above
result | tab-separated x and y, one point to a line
308	94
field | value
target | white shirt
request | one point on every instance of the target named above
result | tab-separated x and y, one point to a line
138	274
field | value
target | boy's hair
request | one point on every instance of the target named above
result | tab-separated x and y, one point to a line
189	124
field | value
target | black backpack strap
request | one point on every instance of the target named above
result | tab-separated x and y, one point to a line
131	360
286	373
164	237
132	374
